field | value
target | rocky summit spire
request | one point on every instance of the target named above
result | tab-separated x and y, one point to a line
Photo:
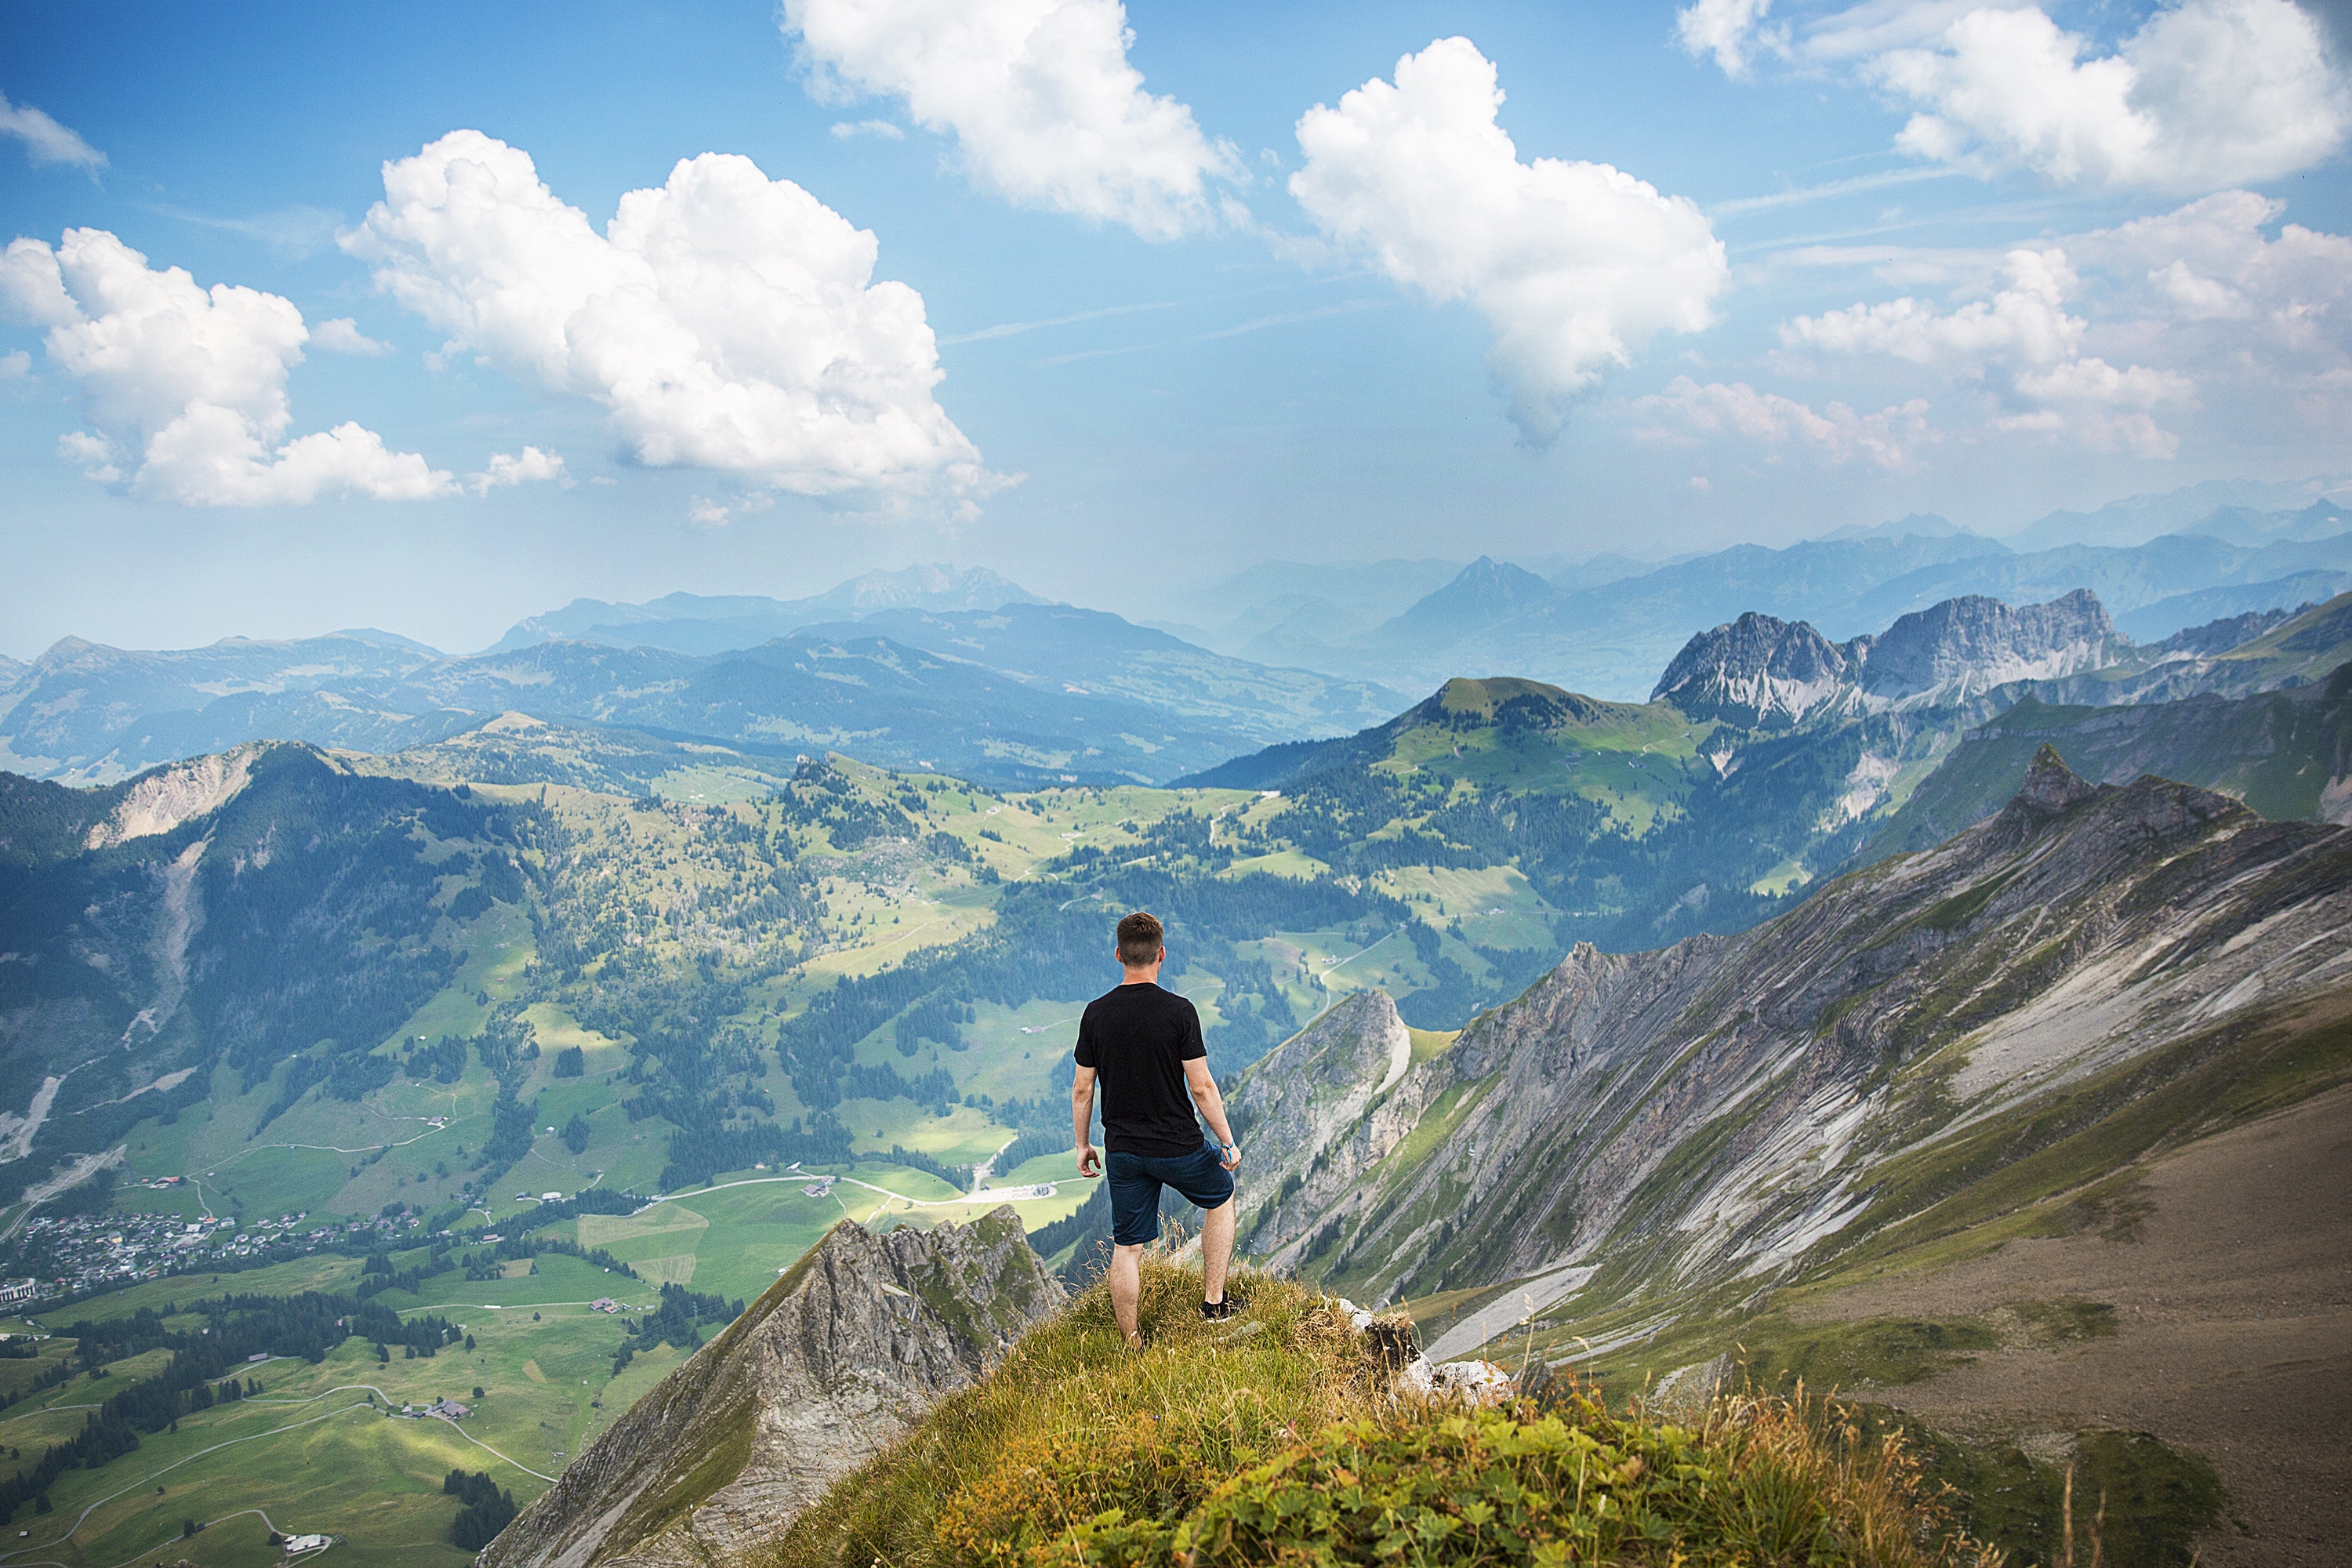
2051	784
854	1341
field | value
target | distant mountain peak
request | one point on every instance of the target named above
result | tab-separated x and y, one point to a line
697	623
1760	669
1917	525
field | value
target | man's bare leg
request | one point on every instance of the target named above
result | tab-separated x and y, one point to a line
1216	1250
1126	1286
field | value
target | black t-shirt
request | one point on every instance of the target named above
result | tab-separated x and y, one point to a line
1138	1039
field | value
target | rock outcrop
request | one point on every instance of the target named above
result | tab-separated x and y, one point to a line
830	1364
1761	672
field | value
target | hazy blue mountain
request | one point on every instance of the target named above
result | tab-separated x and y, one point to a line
1926	524
1612	639
1481	594
1095	653
2126	579
91	713
2135	519
2167	618
2245	525
1158	708
699	623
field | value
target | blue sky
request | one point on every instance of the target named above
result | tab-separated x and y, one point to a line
1254	282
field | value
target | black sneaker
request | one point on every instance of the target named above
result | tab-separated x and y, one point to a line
1218	1312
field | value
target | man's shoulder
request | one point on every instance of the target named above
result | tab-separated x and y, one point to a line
1155	997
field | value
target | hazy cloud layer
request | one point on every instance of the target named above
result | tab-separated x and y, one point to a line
1575	265
2022	346
1039	96
726	320
2124	338
1688	413
187	386
2204	93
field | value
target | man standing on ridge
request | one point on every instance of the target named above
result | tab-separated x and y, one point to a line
1144	1043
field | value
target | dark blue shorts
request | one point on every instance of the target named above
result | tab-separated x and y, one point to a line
1136	1180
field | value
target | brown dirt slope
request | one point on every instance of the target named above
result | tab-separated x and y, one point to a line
2230	1278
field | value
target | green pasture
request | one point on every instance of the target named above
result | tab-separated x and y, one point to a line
323	1272
314	1453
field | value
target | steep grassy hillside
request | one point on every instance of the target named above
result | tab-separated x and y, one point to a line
2288	755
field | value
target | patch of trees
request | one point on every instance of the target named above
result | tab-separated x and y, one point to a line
861	1082
698	1154
443	1061
588	1200
571	1062
355	1076
678	1320
485	1510
956	1176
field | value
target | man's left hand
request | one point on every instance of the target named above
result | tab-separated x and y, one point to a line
1232	1157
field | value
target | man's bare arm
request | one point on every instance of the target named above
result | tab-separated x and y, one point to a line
1203	1086
1082	1116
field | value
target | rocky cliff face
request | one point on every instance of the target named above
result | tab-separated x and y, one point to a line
824	1369
1724	1107
1763	672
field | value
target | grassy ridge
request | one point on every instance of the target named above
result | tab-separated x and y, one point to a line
1279	1438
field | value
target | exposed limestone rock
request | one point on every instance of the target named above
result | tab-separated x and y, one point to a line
169	796
1762	670
829	1365
1720	1110
1323	1097
2051	784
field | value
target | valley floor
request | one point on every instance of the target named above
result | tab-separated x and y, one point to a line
2229	1271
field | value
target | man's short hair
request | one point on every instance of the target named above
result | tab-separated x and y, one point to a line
1141	939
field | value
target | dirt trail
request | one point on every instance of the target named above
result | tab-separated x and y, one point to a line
2233	1306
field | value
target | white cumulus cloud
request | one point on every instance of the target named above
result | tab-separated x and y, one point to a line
46	141
187	386
2023	346
1575	265
2205	94
1731	30
1688	411
1040	97
726	321
528	466
342	335
2201	94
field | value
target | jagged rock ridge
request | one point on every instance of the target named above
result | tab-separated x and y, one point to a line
1729	1106
829	1365
1760	669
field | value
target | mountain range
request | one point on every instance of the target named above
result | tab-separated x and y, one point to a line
1931	986
1956	1083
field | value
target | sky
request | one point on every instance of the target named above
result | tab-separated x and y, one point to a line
433	317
